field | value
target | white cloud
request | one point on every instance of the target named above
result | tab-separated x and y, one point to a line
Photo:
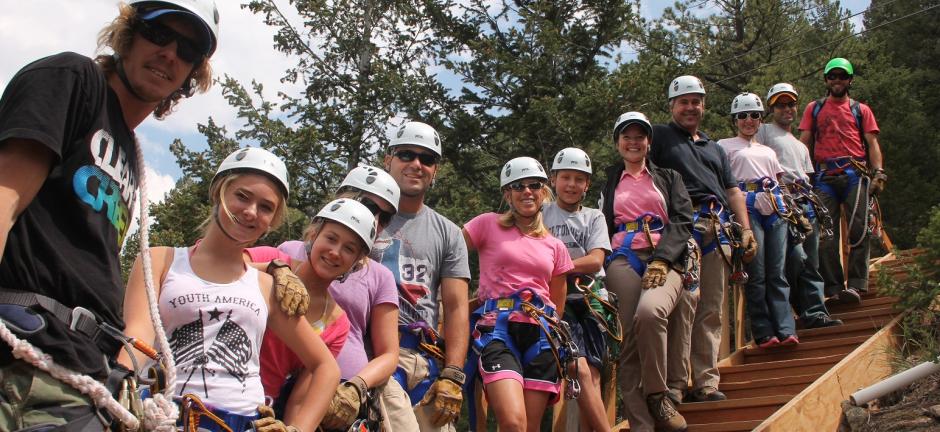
158	186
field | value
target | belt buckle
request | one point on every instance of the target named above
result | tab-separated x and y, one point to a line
77	314
631	226
505	304
751	187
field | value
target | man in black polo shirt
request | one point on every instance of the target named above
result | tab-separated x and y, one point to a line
707	176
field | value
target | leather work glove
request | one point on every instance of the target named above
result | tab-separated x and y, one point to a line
445	396
290	291
878	182
344	407
655	275
749	244
267	423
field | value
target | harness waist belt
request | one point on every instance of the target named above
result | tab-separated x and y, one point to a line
78	318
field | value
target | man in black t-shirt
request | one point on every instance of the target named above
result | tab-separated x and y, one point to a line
706	172
69	171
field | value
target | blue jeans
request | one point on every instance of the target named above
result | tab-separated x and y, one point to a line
806	284
767	291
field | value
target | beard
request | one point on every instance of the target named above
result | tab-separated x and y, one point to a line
840	92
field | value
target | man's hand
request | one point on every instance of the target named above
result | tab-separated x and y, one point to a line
878	182
290	291
345	404
749	243
267	423
655	275
445	398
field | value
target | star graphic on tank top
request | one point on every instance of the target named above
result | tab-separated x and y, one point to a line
215	314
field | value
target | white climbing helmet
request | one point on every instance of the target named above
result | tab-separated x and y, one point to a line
520	168
572	158
258	160
419	134
746	102
374	180
684	85
204	10
353	215
629	118
781	88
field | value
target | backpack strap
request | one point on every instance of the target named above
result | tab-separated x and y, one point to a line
856	108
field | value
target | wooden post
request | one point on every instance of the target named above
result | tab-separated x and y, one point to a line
739	319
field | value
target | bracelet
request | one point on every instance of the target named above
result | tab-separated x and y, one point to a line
454	374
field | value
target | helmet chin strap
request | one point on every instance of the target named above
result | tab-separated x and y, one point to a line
232	217
119	68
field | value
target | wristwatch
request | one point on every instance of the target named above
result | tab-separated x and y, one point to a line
454	374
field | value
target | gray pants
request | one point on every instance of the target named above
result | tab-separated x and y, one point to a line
833	189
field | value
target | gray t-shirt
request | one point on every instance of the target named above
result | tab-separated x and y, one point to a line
581	231
791	152
420	249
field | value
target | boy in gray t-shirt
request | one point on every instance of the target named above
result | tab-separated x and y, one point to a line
584	232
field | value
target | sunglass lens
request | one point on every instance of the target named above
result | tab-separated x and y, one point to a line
425	158
161	35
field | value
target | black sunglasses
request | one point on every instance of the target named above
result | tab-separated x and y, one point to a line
753	114
161	35
519	186
785	105
832	76
374	207
426	159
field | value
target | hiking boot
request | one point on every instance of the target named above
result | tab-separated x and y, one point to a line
767	342
790	340
820	322
663	411
705	394
850	296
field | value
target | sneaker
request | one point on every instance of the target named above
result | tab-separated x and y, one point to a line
850	296
790	340
706	394
663	411
768	341
823	321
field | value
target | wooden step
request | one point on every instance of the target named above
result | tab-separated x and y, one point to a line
866	303
861	328
777	369
867	315
804	350
738	426
789	385
732	410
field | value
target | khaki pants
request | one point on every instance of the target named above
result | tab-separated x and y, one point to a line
402	417
646	316
30	397
706	326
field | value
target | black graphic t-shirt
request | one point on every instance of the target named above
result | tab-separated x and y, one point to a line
66	243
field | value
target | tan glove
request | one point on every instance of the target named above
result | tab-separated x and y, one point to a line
445	397
878	183
749	243
290	291
344	407
267	423
655	275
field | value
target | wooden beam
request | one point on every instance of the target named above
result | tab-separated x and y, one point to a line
818	406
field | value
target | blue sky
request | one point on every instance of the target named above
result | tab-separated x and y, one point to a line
33	29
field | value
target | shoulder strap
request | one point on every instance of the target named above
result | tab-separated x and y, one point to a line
816	108
856	108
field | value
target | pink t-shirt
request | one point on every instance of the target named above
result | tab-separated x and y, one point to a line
510	260
836	131
633	197
277	359
750	160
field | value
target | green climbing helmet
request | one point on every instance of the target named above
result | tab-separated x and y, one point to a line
839	63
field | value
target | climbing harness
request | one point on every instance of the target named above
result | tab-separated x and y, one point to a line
647	223
426	342
804	197
858	175
711	209
555	336
601	304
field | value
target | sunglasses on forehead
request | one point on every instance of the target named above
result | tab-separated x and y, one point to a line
374	207
753	114
519	186
426	159
158	34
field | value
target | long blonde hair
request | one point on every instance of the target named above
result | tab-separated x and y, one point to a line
119	36
536	228
217	191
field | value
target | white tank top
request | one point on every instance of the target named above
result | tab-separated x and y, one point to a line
215	333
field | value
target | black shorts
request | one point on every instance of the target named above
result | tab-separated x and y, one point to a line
586	333
497	361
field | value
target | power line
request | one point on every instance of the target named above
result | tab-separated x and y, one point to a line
826	44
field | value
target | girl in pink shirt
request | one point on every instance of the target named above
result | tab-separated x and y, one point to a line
517	252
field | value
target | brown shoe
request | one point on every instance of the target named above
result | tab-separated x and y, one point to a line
663	410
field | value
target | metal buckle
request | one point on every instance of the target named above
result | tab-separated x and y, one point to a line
77	314
505	304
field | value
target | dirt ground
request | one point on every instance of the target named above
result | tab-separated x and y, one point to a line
906	410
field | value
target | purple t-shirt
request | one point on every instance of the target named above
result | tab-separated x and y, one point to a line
363	290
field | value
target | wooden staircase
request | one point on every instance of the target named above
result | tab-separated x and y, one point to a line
800	387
